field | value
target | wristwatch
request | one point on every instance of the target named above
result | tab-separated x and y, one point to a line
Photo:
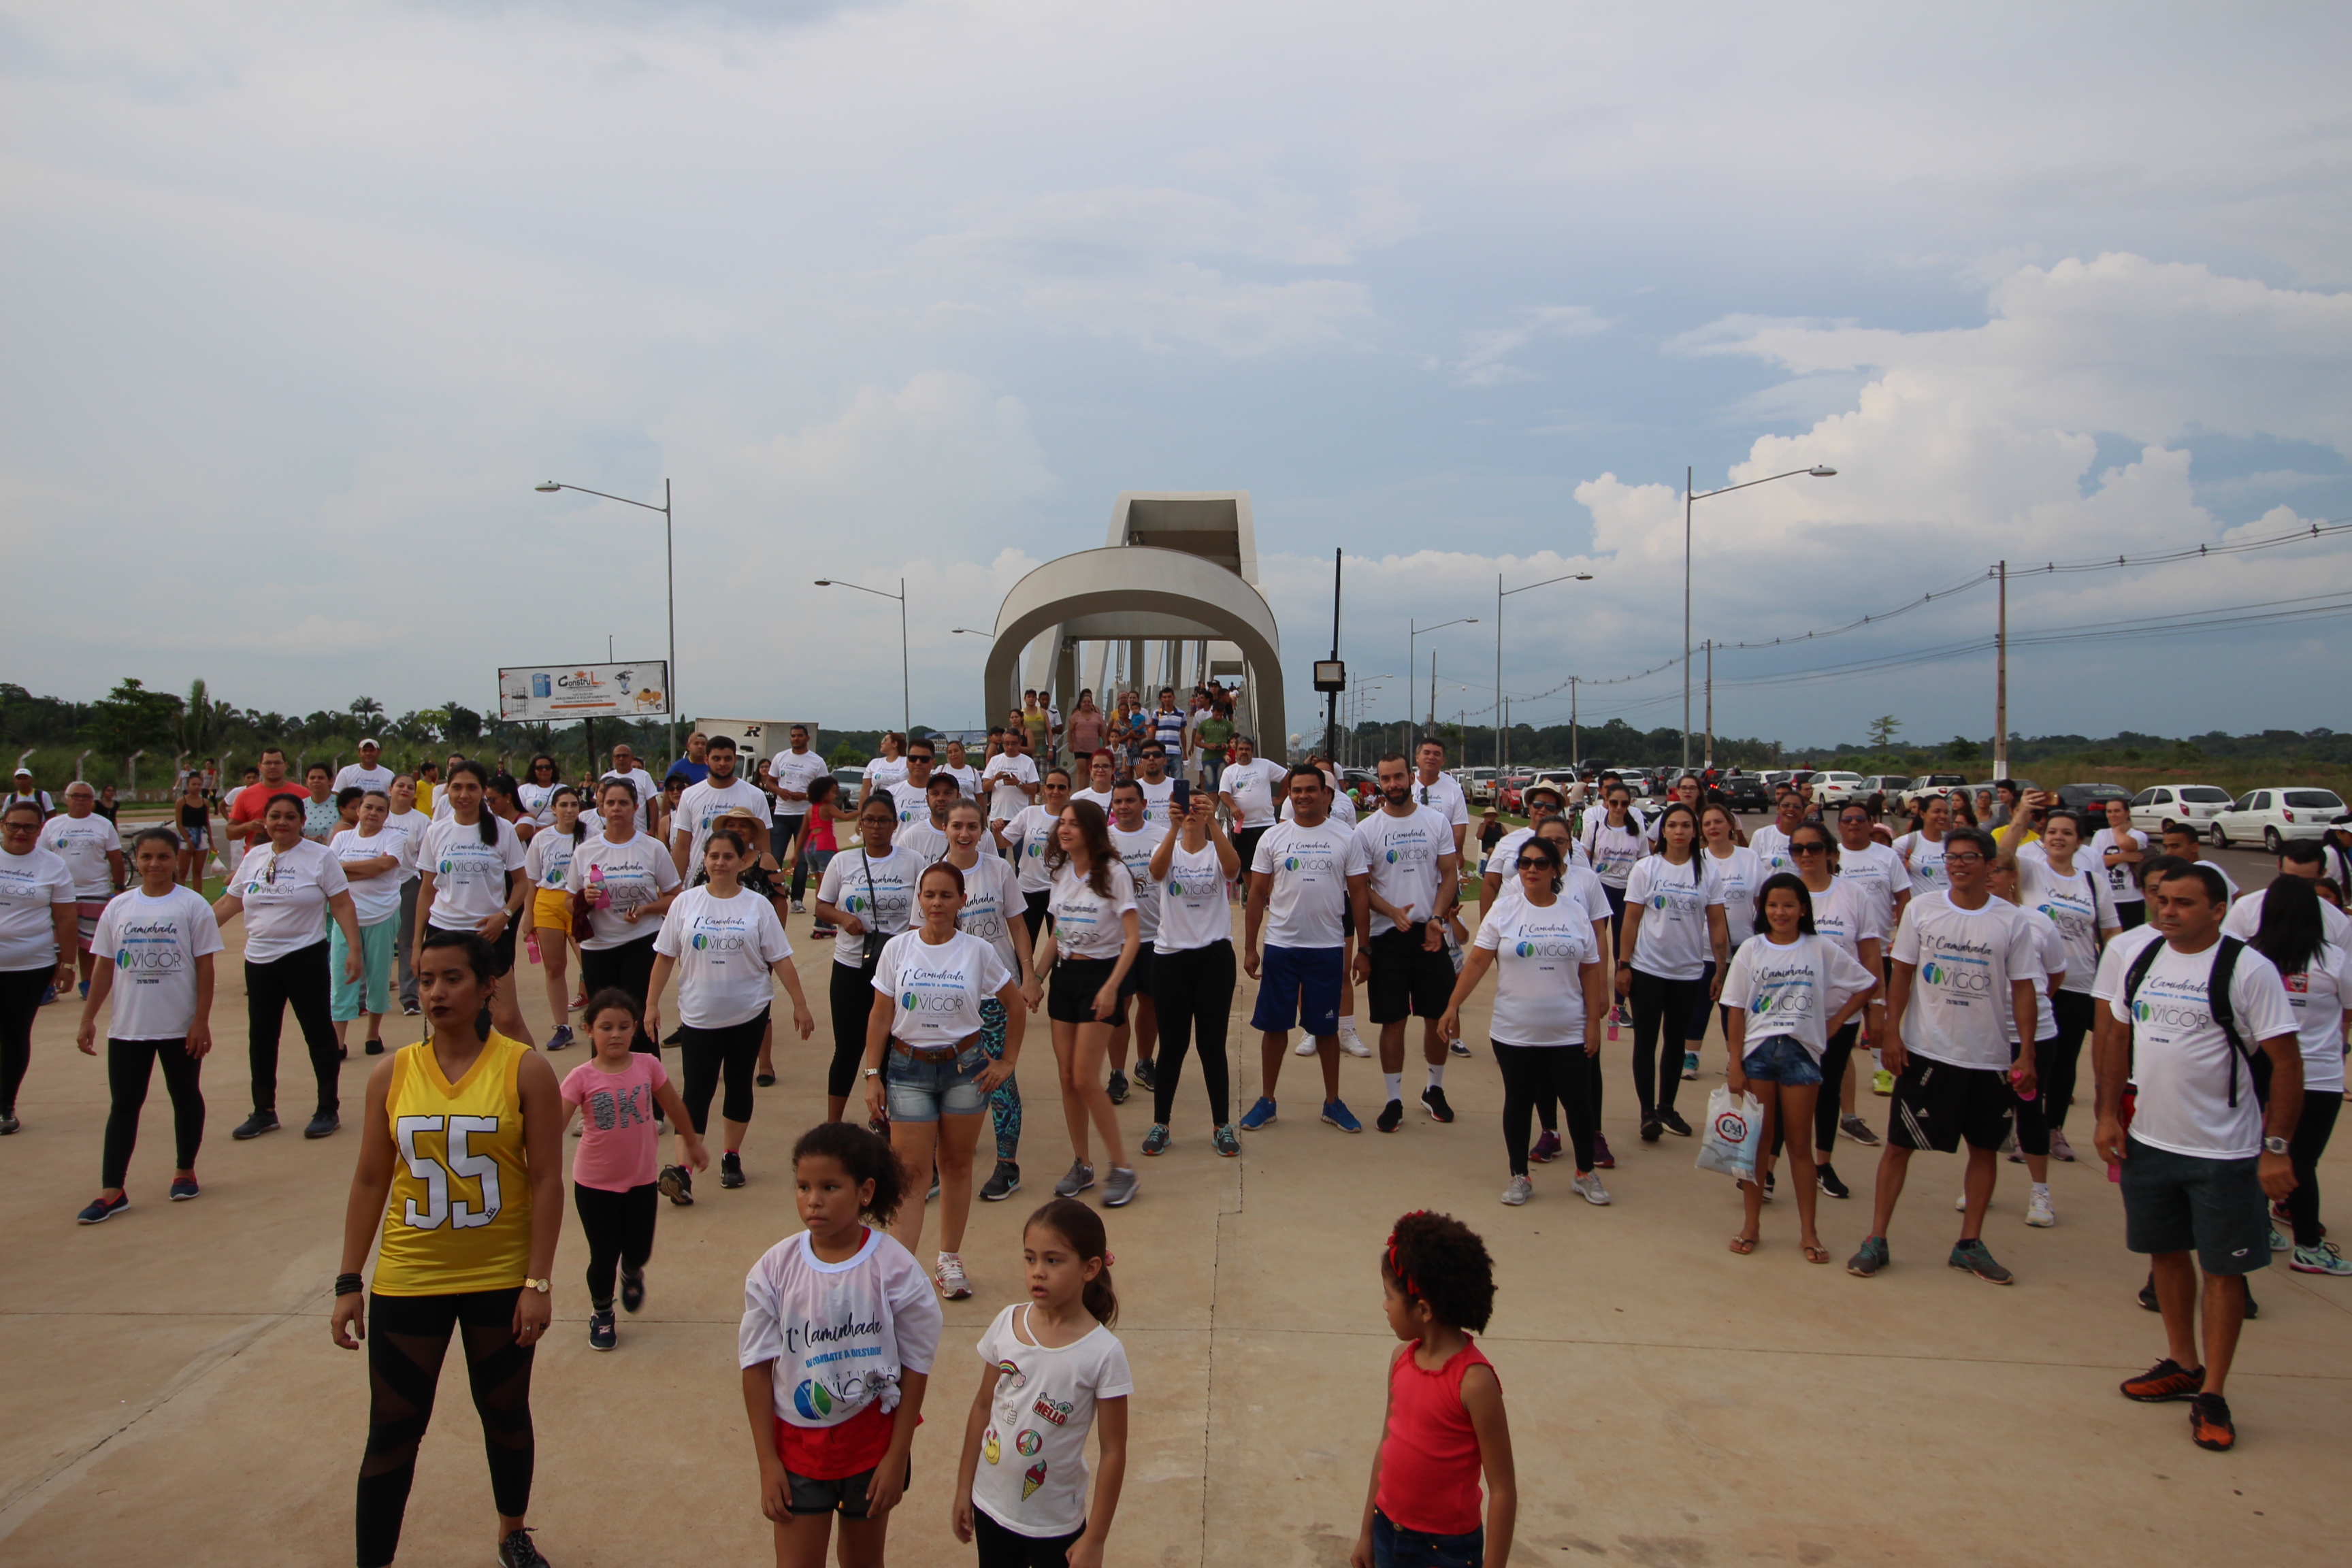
539	1285
873	1072
2274	1146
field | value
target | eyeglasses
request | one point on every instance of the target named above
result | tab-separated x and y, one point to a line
1970	858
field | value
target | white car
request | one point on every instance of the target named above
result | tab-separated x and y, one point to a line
2154	810
1836	789
2276	815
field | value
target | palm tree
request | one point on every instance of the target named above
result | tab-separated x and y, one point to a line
366	710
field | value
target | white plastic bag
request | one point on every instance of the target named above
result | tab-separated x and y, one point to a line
1728	1148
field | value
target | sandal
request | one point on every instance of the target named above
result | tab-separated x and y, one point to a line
1743	1244
1817	1254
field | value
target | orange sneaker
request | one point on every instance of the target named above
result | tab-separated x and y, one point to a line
2208	1422
2166	1380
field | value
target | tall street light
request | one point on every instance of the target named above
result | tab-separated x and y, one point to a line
670	571
907	713
1413	630
1818	472
1501	593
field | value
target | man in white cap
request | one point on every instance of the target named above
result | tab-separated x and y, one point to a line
25	789
367	772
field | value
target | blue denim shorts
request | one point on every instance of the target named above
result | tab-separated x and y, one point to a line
925	1091
1779	1059
1395	1546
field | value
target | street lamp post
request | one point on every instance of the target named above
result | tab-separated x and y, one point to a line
906	687
669	572
1501	593
1690	475
1413	630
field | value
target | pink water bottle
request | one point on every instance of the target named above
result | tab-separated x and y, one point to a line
530	943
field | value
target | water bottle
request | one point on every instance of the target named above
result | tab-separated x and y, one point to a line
530	943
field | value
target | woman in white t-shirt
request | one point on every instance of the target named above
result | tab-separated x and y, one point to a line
2116	851
2318	976
1922	848
1673	923
1027	837
1741	872
723	941
410	823
155	944
39	933
471	877
1786	993
548	863
924	1068
372	861
1549	1005
866	892
1096	935
1612	843
1192	966
2071	888
536	792
622	883
287	888
992	911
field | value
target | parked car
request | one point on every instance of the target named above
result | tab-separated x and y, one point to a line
1512	784
1836	788
1889	786
2276	815
1746	791
852	781
1933	783
1478	784
2154	810
2092	799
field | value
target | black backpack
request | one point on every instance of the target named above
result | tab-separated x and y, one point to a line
2217	998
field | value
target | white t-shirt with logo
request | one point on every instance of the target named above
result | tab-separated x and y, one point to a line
795	771
1342	809
469	877
2079	905
1793	991
1674	942
936	992
1503	858
354	776
1539	958
155	943
1964	959
700	805
2116	960
1005	776
1192	908
1402	854
1135	852
1032	1477
841	1334
1099	799
1849	914
376	899
30	886
1878	869
2319	996
537	801
1612	852
2245	918
1087	924
549	859
1028	837
723	948
991	903
83	843
2123	888
1155	799
920	839
285	894
1252	786
879	890
617	879
410	827
1445	797
1772	848
967	778
911	801
2182	1062
883	772
2049	947
1924	859
1741	872
1310	867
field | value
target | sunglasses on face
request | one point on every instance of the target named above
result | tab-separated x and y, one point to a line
1809	849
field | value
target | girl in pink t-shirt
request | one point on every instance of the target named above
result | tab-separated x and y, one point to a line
614	1170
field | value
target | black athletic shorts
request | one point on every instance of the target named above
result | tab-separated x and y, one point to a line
1937	1105
2179	1203
1139	975
1072	987
1408	980
502	952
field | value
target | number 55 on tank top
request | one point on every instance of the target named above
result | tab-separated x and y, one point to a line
459	1216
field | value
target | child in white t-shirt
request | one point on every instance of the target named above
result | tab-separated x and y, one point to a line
1052	1371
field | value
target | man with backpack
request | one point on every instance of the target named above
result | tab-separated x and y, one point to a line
2201	1021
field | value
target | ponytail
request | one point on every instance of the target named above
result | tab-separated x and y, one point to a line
1082	1227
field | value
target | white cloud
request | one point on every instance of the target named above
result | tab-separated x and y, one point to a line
1486	357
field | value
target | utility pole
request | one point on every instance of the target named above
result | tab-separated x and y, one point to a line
1574	757
1331	708
1433	691
1710	703
2001	682
1690	480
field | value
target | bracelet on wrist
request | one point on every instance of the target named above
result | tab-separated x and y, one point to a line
349	1284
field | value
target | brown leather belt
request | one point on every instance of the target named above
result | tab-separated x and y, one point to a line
934	1053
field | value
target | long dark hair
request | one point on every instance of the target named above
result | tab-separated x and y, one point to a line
1805	897
2291	932
579	828
1100	857
866	1157
1829	841
1078	1224
1697	845
489	824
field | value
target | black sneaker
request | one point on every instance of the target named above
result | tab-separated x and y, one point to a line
517	1552
1651	1128
730	1171
1144	1072
1825	1177
322	1125
1118	1087
675	1036
676	1185
1672	1120
602	1336
1391	1116
1002	1183
2147	1296
1433	1099
2253	1310
255	1125
99	1210
632	1290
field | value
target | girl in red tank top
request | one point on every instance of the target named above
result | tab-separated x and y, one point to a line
1445	1424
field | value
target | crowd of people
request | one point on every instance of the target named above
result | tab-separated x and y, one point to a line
1960	970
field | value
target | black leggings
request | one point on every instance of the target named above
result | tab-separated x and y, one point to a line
628	967
300	978
2310	1142
2055	1061
1193	992
1656	1000
2029	1119
707	1054
1534	1074
1033	911
129	1064
620	1231
407	1338
853	1006
1002	1548
20	1004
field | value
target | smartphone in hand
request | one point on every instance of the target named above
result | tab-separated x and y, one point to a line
1180	797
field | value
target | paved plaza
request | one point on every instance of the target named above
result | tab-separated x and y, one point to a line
172	1394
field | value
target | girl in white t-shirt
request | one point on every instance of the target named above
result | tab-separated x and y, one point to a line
548	862
1741	872
1096	935
1051	1372
154	945
834	1413
1674	924
2318	976
1922	848
471	877
992	907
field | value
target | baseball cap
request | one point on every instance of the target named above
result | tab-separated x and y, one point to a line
370	741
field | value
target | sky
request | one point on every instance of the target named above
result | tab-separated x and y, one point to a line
305	298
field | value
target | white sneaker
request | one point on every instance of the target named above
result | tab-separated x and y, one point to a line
950	1277
1306	1047
2039	1213
1518	1191
1589	1188
1350	1043
1960	1203
2278	1242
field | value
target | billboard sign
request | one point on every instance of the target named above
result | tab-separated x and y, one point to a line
559	693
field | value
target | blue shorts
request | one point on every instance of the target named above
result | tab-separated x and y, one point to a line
925	1091
1395	1546
1298	988
1779	1059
